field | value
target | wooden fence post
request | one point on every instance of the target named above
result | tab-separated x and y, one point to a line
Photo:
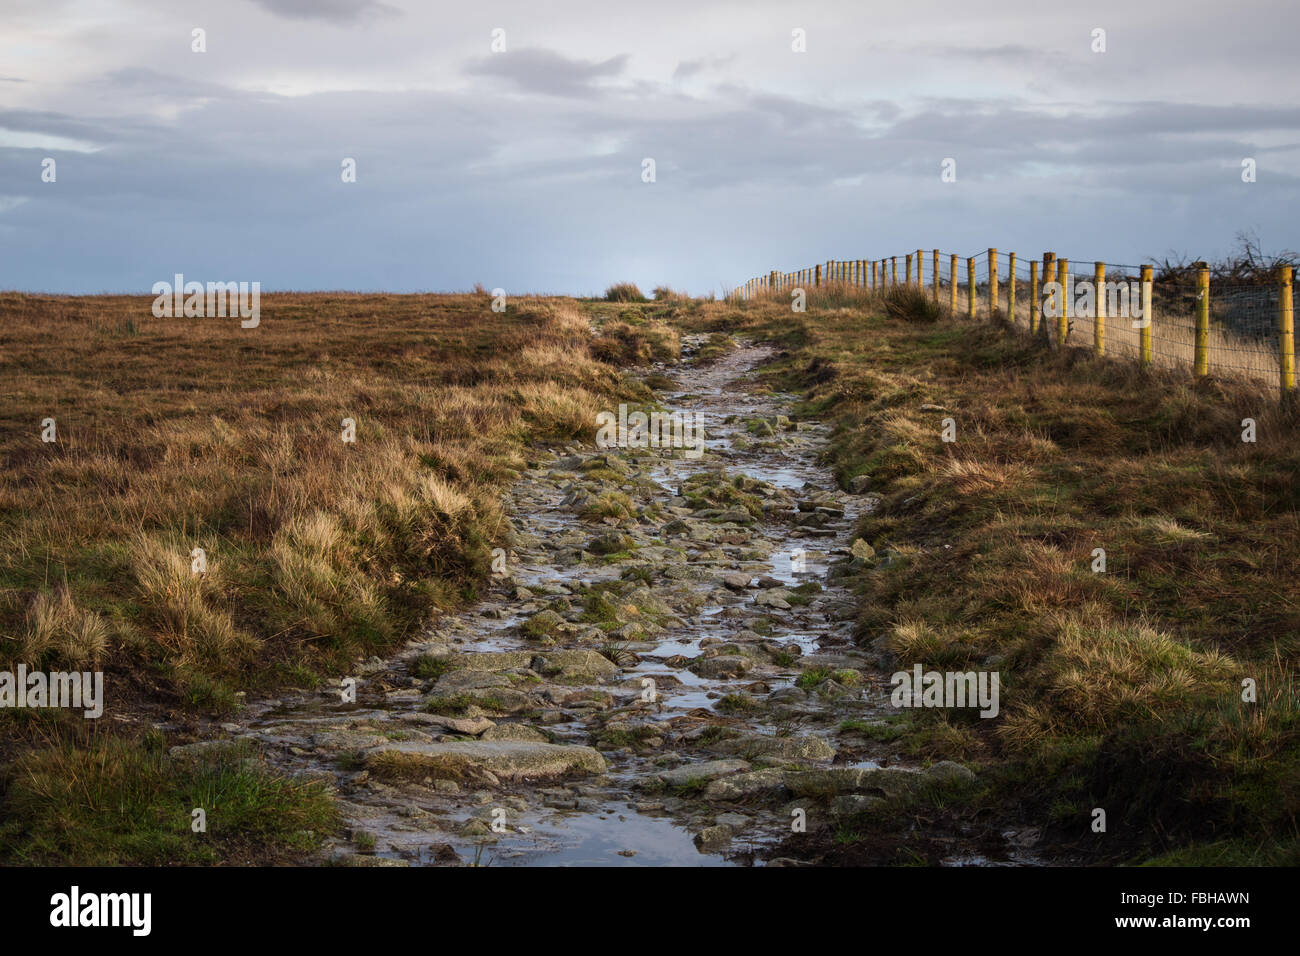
817	279
920	270
1148	318
1286	332
970	288
895	270
1049	277
1202	318
1034	304
952	285
935	270
1011	288
1099	309
1063	277
993	282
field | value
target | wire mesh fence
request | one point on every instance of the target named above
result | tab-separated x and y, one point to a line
1210	323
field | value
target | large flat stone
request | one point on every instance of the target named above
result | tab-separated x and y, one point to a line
780	748
504	759
701	772
741	786
578	663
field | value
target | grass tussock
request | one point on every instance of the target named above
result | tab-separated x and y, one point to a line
625	292
910	304
114	802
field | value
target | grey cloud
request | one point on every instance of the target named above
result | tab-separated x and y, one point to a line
545	71
57	124
688	68
336	11
143	81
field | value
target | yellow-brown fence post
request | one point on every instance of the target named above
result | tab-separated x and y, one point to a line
1033	296
1049	277
1099	309
1011	288
1202	318
935	270
920	269
993	283
1148	319
1063	277
952	285
1286	332
907	280
970	288
817	280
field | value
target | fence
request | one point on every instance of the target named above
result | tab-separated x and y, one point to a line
1211	325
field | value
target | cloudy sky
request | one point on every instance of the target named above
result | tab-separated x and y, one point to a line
523	169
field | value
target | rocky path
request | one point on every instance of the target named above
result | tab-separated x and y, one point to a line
663	675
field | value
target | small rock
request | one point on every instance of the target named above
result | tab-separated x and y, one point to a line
713	838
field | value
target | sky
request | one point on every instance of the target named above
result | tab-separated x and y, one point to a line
522	168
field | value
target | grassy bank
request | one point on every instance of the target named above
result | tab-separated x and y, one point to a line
1121	689
180	434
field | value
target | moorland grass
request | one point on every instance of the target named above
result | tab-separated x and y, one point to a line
1121	689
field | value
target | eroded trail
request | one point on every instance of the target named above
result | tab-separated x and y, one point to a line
664	676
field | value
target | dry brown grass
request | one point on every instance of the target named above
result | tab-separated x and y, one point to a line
175	434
